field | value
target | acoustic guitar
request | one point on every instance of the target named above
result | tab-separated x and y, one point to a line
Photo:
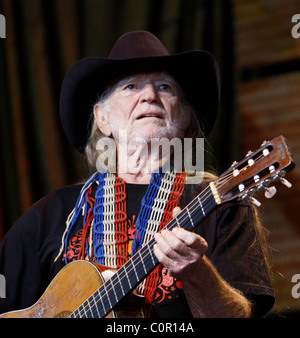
80	290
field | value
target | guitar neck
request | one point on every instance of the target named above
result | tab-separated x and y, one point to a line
144	261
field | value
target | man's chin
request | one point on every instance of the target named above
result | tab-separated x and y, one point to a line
150	135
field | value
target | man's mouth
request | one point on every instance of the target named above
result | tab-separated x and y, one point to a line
147	115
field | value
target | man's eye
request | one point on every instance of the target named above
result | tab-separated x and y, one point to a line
164	86
130	86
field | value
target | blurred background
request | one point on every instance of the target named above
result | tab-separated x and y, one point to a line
259	61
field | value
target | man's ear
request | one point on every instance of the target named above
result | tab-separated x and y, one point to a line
101	118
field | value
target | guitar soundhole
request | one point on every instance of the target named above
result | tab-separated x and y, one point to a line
63	314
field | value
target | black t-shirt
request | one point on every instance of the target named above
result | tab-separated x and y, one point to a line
28	251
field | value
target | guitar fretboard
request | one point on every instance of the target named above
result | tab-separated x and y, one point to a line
143	262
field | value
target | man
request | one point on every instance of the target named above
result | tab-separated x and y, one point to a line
219	270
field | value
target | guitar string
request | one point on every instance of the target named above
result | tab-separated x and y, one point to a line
132	261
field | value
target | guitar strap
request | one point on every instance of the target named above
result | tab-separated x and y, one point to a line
105	237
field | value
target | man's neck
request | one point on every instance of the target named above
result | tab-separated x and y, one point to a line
135	178
136	164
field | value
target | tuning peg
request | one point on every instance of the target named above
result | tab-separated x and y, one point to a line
270	192
285	182
255	201
265	142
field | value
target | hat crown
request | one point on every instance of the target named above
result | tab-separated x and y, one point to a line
138	44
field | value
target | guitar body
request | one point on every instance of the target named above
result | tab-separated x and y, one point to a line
69	289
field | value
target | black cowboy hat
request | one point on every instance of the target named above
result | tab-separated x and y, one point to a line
139	51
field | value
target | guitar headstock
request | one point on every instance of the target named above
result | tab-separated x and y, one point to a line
256	171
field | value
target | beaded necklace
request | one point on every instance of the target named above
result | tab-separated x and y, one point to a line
105	237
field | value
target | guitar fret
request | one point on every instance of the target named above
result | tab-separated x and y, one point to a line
111	293
151	255
127	276
91	311
85	308
101	299
190	217
120	284
201	206
137	277
95	305
142	262
107	297
84	311
113	288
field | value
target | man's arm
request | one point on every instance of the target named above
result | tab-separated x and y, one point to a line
210	296
207	293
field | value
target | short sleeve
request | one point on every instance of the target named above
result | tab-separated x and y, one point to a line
29	249
19	264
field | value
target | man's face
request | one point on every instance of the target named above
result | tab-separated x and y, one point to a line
146	105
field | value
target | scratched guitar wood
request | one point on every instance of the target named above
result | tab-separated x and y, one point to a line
70	288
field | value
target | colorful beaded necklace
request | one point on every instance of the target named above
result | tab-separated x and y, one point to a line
105	237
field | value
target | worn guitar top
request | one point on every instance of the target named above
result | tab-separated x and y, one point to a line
28	251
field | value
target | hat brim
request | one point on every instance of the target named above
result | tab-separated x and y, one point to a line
196	72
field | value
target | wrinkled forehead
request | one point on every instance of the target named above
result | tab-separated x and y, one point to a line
143	77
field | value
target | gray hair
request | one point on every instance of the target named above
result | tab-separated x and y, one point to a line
91	152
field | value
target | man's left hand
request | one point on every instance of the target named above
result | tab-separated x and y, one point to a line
179	250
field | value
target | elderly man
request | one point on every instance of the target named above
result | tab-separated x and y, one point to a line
219	270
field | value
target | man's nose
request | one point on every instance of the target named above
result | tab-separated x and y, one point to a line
149	93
